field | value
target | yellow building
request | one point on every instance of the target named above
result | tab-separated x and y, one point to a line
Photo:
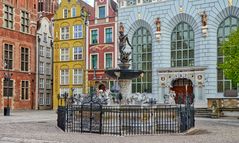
69	69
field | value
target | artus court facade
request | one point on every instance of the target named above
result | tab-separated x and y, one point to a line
177	42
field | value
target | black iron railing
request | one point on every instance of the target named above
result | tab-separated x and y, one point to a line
126	119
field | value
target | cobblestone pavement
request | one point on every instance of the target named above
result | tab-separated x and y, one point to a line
40	127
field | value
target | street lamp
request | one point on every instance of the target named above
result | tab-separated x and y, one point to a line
7	78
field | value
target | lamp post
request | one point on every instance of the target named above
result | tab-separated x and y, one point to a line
7	78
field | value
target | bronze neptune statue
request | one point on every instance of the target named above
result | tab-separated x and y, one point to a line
123	38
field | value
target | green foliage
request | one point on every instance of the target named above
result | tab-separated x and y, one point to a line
230	50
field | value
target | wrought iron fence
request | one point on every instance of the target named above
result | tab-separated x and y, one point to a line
119	120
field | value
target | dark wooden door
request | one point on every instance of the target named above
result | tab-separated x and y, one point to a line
179	86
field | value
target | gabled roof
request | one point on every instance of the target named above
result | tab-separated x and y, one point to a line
88	7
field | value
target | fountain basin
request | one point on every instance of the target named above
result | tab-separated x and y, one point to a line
125	74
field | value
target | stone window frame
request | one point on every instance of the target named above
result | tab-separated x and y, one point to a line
41	83
41	68
8	16
182	48
41	98
97	60
78	76
64	54
221	79
65	13
48	99
25	90
76	54
78	31
142	41
64	90
108	33
25	55
65	33
77	91
25	21
8	87
64	76
94	36
41	51
73	12
105	59
99	9
8	54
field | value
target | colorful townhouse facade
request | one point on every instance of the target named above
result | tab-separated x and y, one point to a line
102	47
70	32
17	63
44	60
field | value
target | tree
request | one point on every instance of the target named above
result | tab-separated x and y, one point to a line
230	50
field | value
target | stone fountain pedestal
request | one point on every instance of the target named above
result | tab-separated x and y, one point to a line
125	87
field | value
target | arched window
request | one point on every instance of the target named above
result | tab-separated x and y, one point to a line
225	28
142	60
182	46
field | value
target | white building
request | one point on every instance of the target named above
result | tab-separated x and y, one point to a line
176	43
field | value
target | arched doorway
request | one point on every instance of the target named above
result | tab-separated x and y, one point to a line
182	87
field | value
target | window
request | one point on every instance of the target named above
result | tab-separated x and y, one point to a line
65	76
225	28
94	60
78	76
41	68
8	16
48	99
63	92
41	51
108	60
94	36
73	12
78	55
64	54
77	91
40	6
78	33
48	52
41	84
65	13
44	37
24	21
142	60
102	12
7	88
182	46
48	67
65	33
8	56
25	90
48	84
108	35
41	99
24	59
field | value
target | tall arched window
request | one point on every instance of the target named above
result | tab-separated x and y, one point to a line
225	28
142	60
182	46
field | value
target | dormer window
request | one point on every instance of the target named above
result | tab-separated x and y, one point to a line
102	12
73	12
65	13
